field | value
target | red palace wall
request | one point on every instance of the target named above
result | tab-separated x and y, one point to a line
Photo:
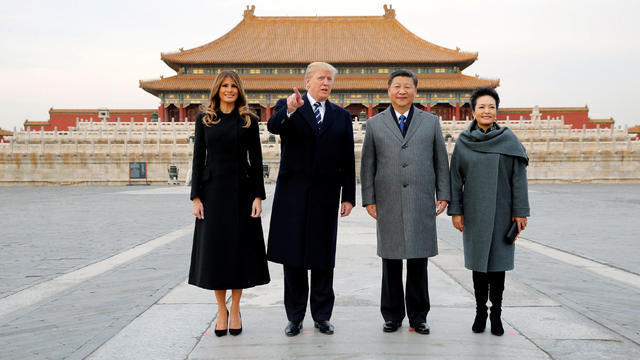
63	119
577	117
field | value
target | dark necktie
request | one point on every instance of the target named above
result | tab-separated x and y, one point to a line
316	112
402	119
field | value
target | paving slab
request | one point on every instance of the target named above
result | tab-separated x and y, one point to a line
359	335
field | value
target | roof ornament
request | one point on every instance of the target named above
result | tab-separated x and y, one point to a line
248	13
389	11
181	49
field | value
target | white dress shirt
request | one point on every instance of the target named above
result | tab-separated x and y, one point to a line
312	101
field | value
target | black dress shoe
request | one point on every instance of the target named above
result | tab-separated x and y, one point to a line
325	327
421	328
223	332
391	326
236	332
293	328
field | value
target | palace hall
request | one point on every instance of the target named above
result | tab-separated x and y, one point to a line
358	46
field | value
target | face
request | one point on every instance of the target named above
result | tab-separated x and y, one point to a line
485	111
319	84
228	91
402	91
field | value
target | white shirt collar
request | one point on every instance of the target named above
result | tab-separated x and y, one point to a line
313	101
406	114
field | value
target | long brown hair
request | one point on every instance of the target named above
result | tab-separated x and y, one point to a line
210	109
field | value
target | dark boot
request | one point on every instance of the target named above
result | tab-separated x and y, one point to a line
481	292
496	288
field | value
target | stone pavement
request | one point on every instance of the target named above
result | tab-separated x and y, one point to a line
180	325
100	273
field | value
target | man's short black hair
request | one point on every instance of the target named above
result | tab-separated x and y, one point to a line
482	91
405	73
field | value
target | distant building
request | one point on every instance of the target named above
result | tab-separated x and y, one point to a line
575	116
62	119
271	54
3	134
358	46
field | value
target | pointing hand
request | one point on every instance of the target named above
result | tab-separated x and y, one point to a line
294	101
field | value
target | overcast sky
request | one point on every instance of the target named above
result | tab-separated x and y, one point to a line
91	54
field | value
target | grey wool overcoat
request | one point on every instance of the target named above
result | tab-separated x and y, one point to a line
488	187
403	176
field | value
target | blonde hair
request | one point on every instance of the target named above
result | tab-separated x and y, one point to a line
319	66
210	109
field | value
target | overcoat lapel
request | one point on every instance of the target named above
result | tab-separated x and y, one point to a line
391	123
329	112
307	114
416	121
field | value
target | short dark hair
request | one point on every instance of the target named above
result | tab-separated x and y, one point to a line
482	91
405	73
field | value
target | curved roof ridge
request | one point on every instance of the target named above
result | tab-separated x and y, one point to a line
367	38
227	34
457	51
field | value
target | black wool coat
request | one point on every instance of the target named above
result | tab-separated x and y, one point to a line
228	245
316	165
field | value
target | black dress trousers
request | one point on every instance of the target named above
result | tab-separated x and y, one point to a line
296	292
392	301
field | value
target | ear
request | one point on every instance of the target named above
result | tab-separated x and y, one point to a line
306	83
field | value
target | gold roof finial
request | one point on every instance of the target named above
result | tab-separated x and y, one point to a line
248	13
389	11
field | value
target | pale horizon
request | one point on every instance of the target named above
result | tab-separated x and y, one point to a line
78	55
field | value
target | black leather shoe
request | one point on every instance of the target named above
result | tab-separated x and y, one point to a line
421	328
293	328
236	332
391	326
222	332
324	326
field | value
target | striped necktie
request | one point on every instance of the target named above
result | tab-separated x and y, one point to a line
316	112
402	118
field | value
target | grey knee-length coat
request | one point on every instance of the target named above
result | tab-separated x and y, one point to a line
488	188
403	176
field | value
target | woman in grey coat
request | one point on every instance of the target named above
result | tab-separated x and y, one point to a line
488	194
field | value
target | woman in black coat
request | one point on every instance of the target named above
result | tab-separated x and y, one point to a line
227	190
488	194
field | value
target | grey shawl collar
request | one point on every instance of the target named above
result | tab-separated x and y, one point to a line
499	141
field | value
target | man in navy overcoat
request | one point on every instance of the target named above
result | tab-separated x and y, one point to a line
316	181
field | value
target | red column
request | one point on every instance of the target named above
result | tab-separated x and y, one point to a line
268	112
370	110
457	111
428	107
161	113
181	113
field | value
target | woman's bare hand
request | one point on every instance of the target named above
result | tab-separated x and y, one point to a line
198	209
256	208
458	222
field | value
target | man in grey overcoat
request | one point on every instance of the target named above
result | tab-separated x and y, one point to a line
405	185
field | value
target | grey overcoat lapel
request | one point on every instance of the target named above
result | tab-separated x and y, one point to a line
416	121
389	121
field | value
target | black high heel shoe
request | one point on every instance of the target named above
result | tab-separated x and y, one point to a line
220	333
236	332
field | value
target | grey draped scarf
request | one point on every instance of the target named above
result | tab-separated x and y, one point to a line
499	141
